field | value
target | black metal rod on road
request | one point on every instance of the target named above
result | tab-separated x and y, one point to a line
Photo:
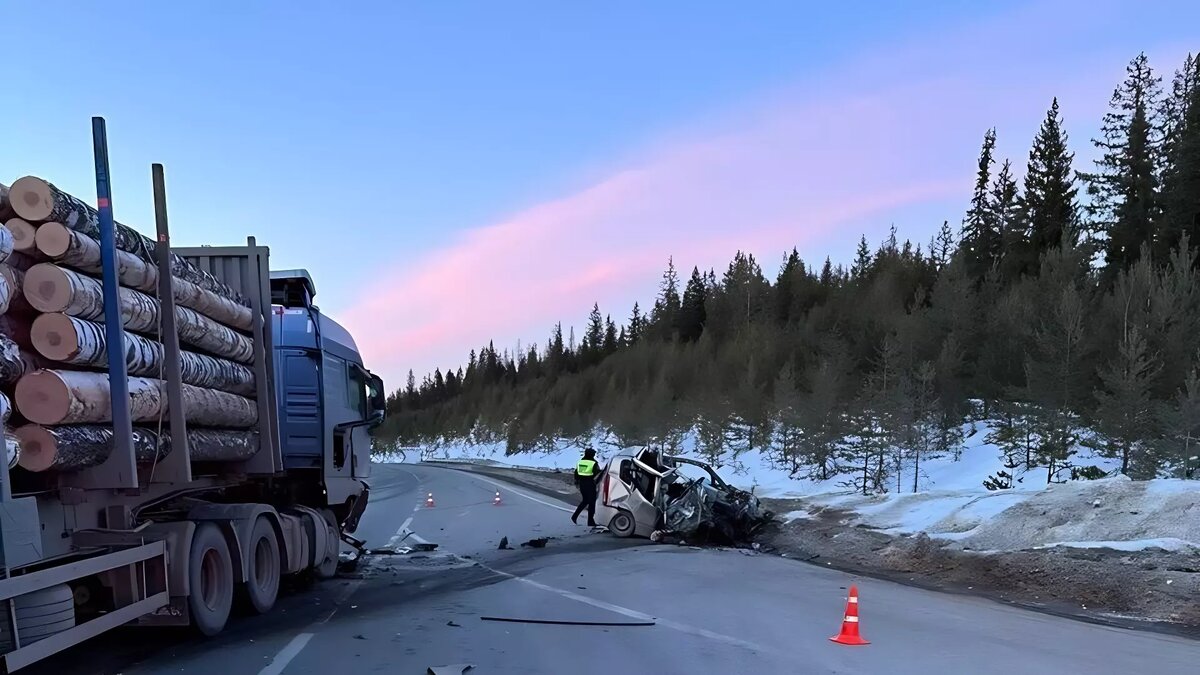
554	622
125	466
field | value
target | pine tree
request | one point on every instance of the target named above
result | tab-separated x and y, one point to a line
592	348
635	326
942	247
787	286
556	353
1126	415
980	240
610	337
1005	204
1180	197
1048	204
1180	420
1124	189
692	314
664	318
862	260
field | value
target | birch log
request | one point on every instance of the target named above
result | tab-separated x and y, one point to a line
12	364
14	278
5	408
16	328
50	288
6	243
24	235
73	249
83	343
74	397
5	294
37	200
70	448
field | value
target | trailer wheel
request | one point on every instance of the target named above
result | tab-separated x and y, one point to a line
263	566
622	524
210	576
40	614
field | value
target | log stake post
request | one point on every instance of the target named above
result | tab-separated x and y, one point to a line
119	471
268	459
176	467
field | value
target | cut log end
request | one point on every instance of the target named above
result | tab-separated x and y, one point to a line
32	198
24	234
53	239
38	447
54	336
43	397
47	288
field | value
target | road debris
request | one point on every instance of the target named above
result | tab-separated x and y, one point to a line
455	669
360	636
503	544
452	624
558	622
540	542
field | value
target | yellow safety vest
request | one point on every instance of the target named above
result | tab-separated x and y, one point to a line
586	467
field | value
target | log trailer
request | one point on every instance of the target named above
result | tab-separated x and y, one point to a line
172	532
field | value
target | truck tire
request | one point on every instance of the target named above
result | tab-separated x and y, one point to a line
622	524
40	614
210	577
263	566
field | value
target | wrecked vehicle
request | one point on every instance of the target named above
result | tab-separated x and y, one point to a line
667	497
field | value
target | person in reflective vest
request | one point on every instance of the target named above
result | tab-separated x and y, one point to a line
587	473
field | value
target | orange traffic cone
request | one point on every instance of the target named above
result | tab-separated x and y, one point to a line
496	501
849	634
429	501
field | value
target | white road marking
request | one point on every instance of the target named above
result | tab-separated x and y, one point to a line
642	616
522	494
285	655
404	526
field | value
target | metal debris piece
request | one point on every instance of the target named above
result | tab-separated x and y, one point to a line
455	669
451	623
555	622
540	542
503	544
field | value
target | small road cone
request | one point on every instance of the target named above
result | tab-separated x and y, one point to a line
496	501
849	634
429	501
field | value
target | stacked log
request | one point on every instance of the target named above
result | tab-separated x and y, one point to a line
54	347
37	200
70	448
77	397
66	339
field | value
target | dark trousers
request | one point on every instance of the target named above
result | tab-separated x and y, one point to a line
587	493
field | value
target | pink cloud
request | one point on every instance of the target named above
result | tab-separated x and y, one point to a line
809	166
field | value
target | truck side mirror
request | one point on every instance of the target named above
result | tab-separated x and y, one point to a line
375	391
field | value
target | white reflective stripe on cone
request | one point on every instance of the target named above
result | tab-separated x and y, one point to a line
854	599
852	619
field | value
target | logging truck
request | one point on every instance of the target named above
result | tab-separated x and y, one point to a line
224	446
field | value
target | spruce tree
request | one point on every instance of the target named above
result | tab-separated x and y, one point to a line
610	337
634	334
1126	414
1181	173
593	340
692	315
980	240
664	317
1005	205
1123	191
1048	202
862	259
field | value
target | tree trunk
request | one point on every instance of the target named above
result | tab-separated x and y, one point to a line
37	200
70	248
6	243
83	343
73	397
70	448
57	289
23	233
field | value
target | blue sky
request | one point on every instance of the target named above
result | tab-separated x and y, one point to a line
374	145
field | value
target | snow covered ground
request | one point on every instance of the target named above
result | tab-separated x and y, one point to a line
951	503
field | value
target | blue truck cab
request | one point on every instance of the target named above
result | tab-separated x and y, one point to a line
327	399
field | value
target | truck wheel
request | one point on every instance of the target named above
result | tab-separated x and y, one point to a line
210	576
622	524
40	614
263	566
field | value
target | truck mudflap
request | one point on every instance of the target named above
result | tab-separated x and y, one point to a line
356	510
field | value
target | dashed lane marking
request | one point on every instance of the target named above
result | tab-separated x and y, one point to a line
285	655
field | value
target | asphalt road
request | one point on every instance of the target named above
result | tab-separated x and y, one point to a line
714	611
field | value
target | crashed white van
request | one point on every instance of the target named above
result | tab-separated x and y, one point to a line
644	494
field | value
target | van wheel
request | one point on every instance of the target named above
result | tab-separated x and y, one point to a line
210	577
262	566
622	524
